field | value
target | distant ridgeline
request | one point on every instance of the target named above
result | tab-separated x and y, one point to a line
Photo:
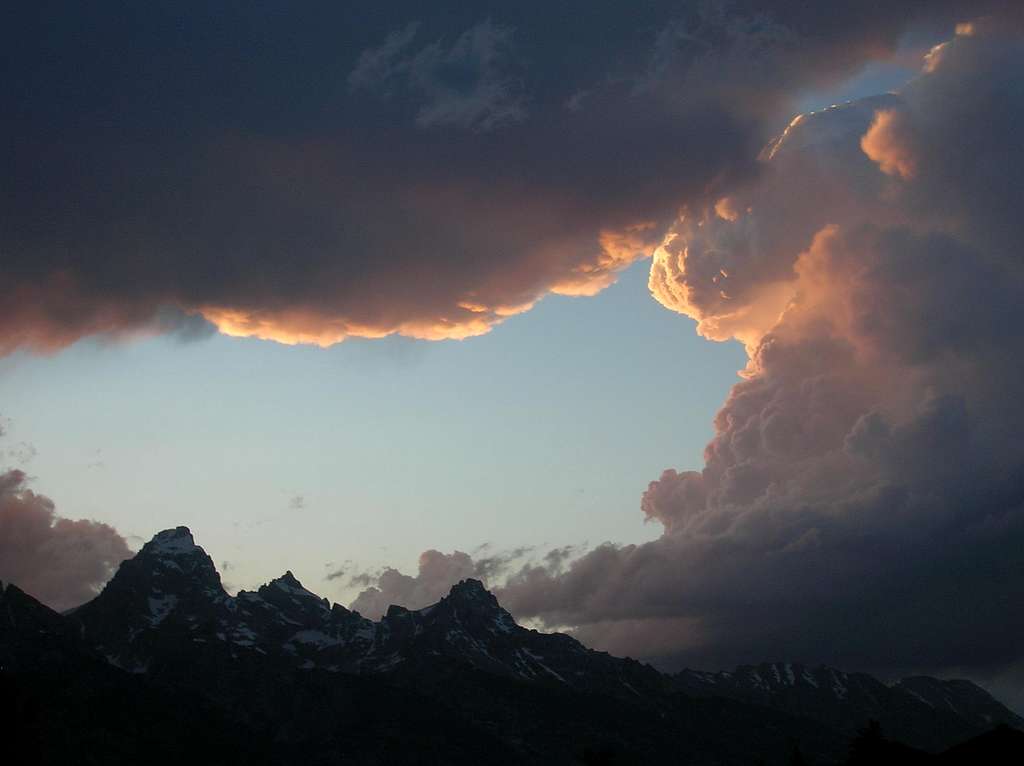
165	667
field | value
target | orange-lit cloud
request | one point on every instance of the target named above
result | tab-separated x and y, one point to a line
886	143
865	471
290	328
444	190
618	249
465	318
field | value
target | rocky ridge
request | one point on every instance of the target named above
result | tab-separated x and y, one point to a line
282	659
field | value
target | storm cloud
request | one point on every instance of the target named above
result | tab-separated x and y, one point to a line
862	501
347	170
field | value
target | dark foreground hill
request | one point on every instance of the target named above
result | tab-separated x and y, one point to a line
165	667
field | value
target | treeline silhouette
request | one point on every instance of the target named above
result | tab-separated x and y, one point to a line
1002	745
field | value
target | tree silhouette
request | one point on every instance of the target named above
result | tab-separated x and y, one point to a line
871	748
796	757
868	747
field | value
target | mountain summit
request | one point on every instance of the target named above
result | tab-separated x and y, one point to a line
321	677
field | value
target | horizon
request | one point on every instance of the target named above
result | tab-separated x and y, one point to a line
175	532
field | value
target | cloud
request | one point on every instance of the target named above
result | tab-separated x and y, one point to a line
409	171
336	574
378	68
465	85
21	453
437	572
861	501
61	562
886	143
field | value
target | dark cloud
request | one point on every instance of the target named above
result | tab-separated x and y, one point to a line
61	562
492	568
862	500
466	85
364	170
182	326
556	558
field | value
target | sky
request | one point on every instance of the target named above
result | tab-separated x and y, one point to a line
295	457
689	327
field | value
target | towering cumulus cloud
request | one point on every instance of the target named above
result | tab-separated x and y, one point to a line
353	169
862	500
59	561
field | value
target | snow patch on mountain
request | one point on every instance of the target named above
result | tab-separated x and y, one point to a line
316	638
540	661
172	542
293	587
161	606
790	675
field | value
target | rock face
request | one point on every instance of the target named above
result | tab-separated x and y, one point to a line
287	677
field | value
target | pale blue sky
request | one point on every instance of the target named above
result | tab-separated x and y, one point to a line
544	432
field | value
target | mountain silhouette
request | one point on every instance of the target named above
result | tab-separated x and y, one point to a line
164	666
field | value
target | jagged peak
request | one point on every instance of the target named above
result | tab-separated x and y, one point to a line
395	610
14	598
175	563
769	675
470	595
471	588
287	579
341	611
172	542
290	584
9	588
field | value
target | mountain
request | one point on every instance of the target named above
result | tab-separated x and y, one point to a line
166	609
33	635
281	676
923	712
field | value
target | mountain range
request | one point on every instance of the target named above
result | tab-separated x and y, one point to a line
165	665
